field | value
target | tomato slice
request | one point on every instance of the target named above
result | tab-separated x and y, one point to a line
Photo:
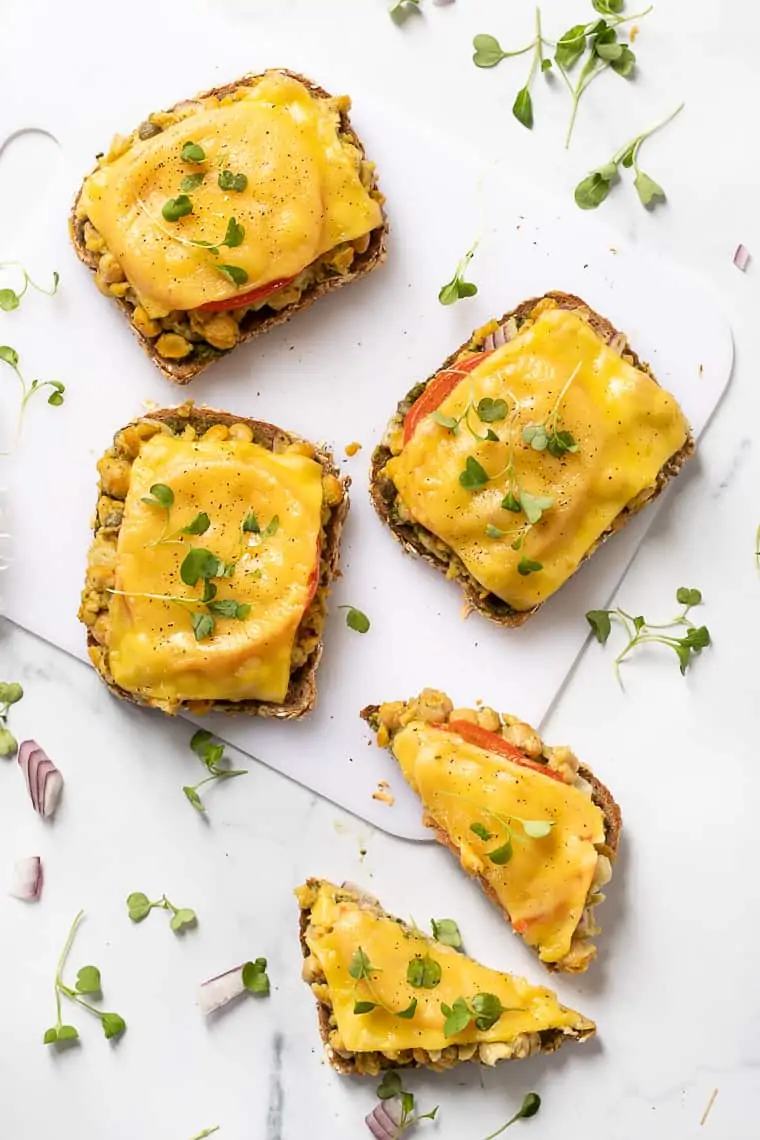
492	742
248	298
437	391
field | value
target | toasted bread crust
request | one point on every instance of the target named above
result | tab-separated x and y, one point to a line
600	795
491	607
301	696
551	1039
261	320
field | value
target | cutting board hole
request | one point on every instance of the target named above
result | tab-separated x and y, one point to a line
30	161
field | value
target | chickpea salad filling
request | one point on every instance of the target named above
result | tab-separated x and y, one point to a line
176	625
227	209
389	996
536	829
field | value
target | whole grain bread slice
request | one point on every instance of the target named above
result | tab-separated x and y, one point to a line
301	696
600	795
550	1040
258	321
383	492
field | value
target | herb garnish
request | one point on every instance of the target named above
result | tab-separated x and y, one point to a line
641	632
191	182
206	1132
533	828
210	755
162	496
234	273
11	299
545	435
446	931
528	566
484	1010
192	152
400	9
474	477
87	983
229	181
361	970
389	1088
423	972
488	411
175	208
140	906
531	1101
355	619
457	288
10	693
10	356
255	977
592	190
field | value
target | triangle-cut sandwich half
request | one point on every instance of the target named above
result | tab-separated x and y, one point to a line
389	996
537	829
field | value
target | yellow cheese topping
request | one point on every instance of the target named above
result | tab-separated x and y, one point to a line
304	196
626	428
545	884
339	926
153	651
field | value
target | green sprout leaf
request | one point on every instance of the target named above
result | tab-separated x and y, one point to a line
139	906
522	108
571	46
8	743
234	235
9	300
481	831
199	525
592	190
491	411
409	1012
194	798
251	523
255	977
487	51
160	496
364	1006
203	625
423	972
360	968
191	152
501	855
88	980
113	1025
355	619
684	596
445	421
183	918
487	1009
530	1106
494	531
456	1017
389	1086
511	503
560	443
200	563
446	931
230	609
474	476
234	182
528	566
600	623
537	828
641	632
458	288
648	190
235	274
176	208
191	182
533	506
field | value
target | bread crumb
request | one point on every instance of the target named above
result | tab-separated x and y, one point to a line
633	33
701	370
352	448
710	1103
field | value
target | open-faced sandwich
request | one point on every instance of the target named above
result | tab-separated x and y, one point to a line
216	538
227	214
388	996
537	830
537	439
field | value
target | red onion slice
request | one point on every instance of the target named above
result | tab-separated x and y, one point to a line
27	879
499	337
384	1120
220	991
741	258
43	780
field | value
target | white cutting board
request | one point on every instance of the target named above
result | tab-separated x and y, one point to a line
334	374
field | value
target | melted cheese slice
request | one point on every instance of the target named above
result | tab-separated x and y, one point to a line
544	885
340	925
153	651
626	428
303	197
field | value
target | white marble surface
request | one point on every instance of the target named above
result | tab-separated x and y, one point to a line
675	989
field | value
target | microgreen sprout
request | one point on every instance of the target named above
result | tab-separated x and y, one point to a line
531	1101
592	190
641	632
229	181
423	972
504	849
391	1087
10	693
546	435
140	906
446	931
361	970
483	1009
211	754
355	619
10	356
400	9
88	983
206	1132
458	288
11	298
255	977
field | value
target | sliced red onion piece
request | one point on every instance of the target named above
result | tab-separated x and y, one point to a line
741	258
220	991
43	780
499	337
384	1120
27	879
619	343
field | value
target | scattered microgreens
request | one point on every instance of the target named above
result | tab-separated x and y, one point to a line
10	693
229	181
528	566
361	970
87	983
10	356
474	477
210	754
400	9
389	1088
233	273
206	1132
355	619
531	1101
191	152
533	828
162	496
446	931
423	972
255	977
488	411
641	632
545	436
592	190
250	525
484	1009
599	38
175	208
11	299
458	288
140	906
191	182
